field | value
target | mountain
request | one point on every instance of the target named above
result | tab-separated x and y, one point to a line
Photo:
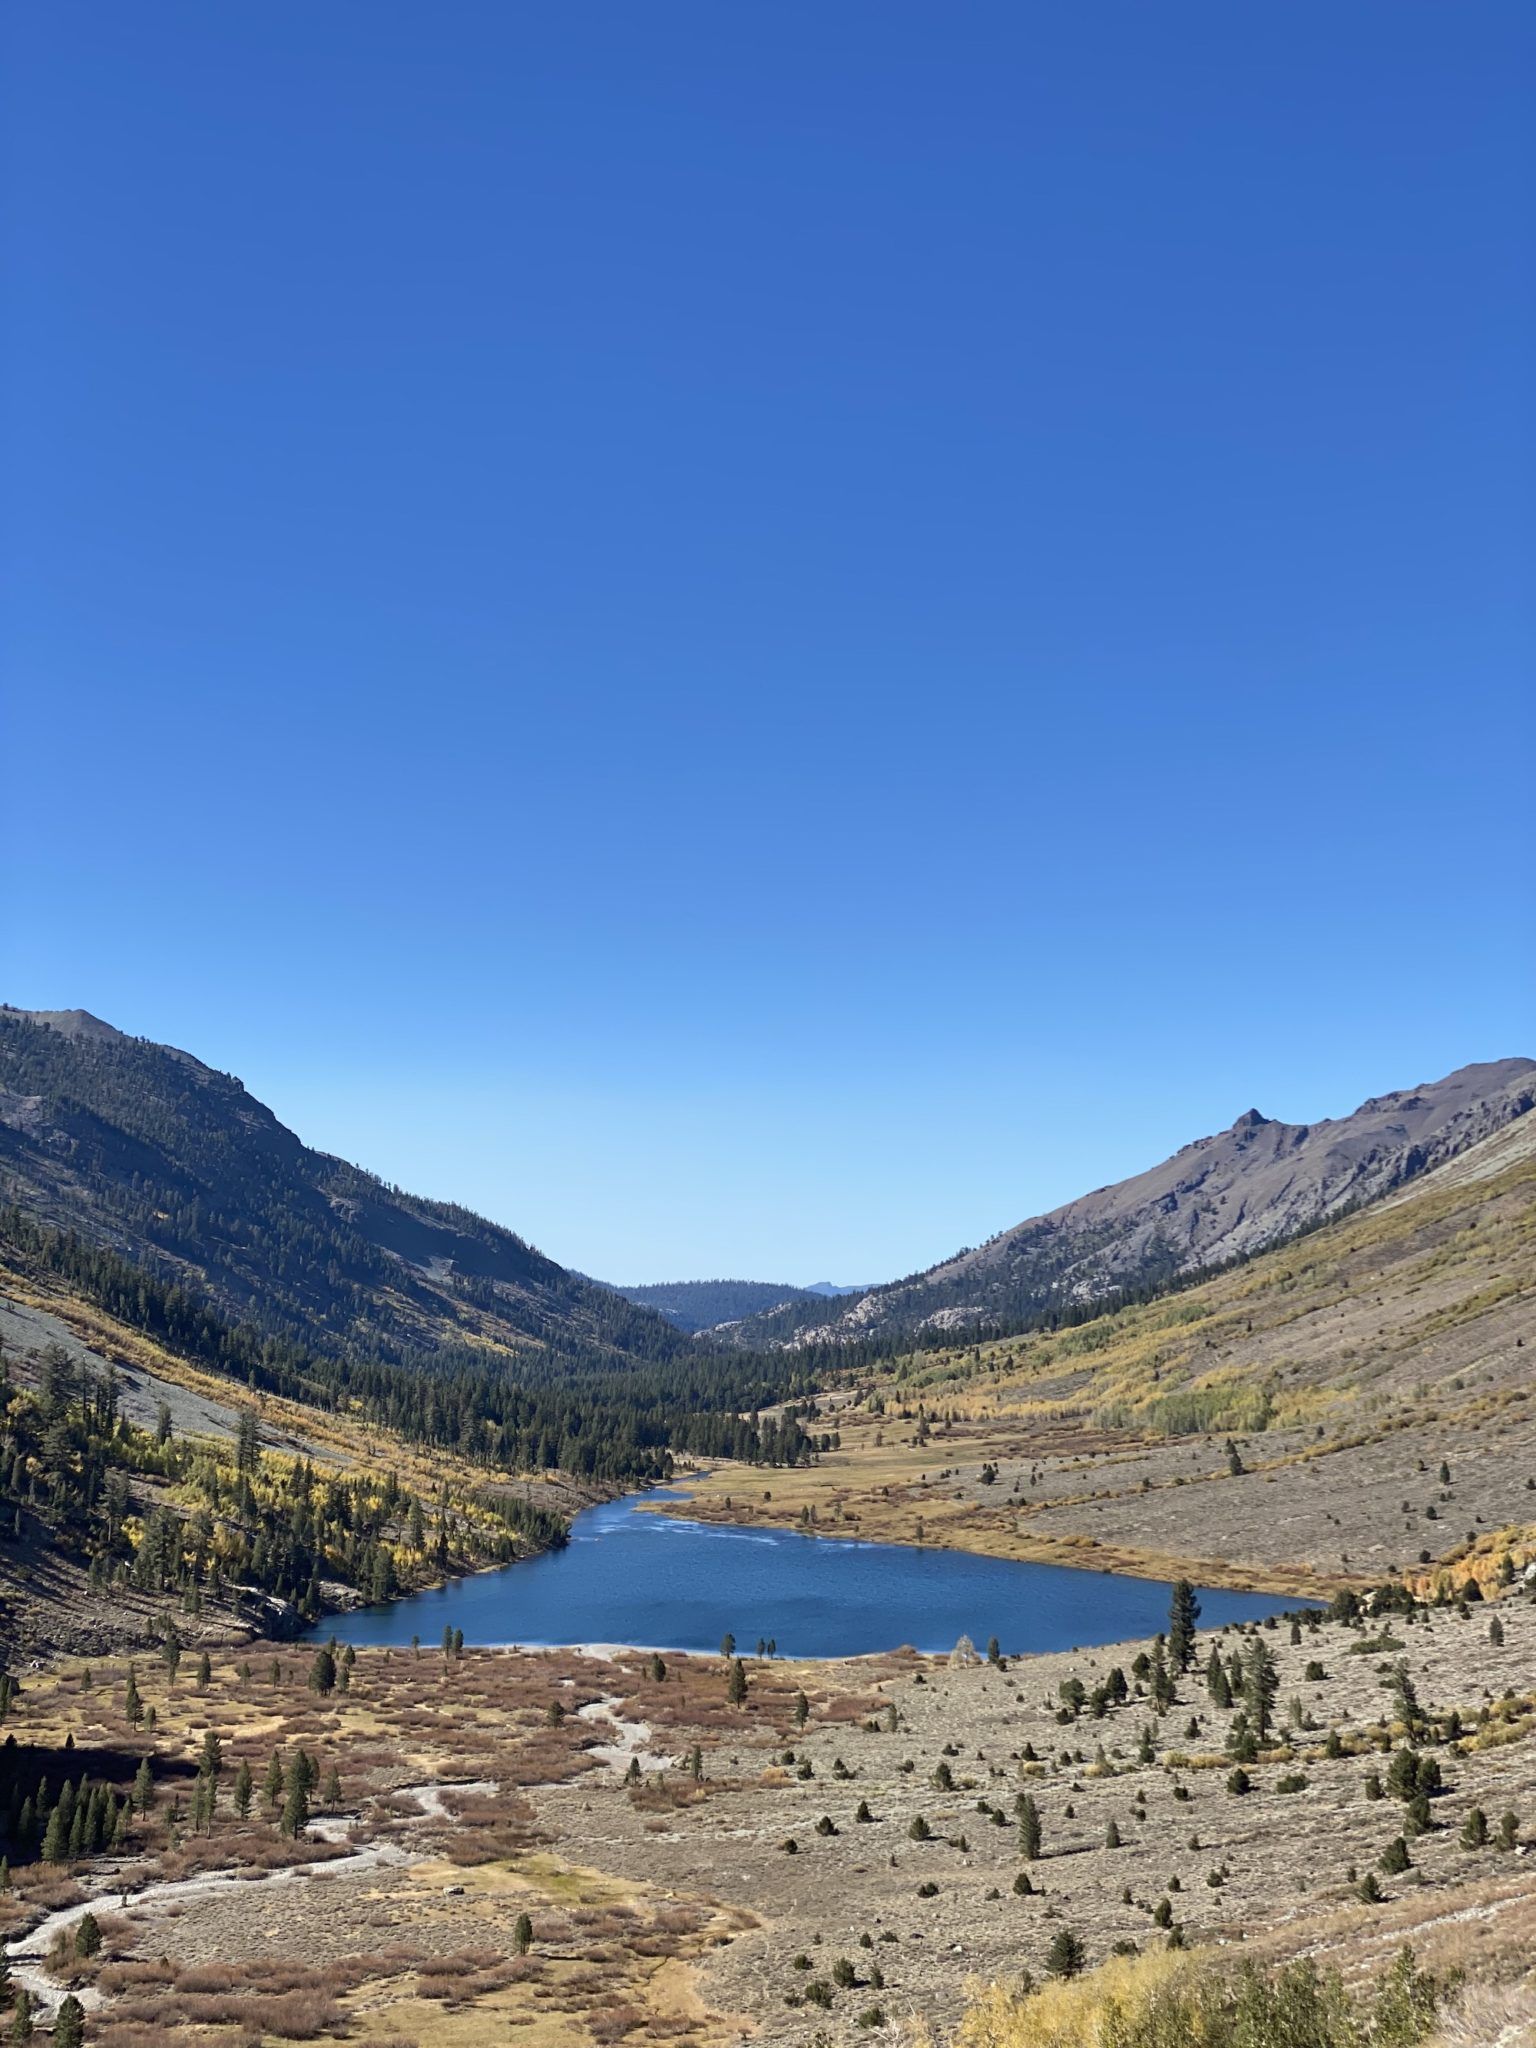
700	1305
695	1305
1216	1200
144	1149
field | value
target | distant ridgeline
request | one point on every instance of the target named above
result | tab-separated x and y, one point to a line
695	1305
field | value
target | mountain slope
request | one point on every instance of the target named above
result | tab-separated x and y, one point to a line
143	1148
1218	1199
1373	1378
695	1305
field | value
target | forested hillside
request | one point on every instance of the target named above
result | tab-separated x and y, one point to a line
162	1193
143	1148
695	1305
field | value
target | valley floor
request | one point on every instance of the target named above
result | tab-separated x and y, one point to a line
670	1908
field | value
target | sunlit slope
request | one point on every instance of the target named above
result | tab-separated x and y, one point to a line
1420	1299
318	1506
1232	1195
1284	1423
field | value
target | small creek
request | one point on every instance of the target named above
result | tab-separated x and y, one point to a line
26	1955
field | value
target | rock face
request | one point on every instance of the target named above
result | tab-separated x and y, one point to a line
1219	1199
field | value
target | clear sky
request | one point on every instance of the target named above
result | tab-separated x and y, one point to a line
761	639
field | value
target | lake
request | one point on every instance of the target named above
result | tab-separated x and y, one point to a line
627	1576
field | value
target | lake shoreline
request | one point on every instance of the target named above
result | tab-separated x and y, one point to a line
1069	1553
633	1581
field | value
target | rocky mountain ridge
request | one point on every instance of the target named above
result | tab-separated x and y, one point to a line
1218	1199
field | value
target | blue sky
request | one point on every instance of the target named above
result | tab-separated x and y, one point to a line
762	640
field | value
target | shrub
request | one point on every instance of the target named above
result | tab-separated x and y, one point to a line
1172	1995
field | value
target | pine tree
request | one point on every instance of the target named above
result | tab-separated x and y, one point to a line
322	1673
295	1816
1261	1684
69	2023
133	1706
1066	1955
1216	1681
1163	1692
56	1835
243	1788
522	1934
737	1689
1183	1613
1029	1827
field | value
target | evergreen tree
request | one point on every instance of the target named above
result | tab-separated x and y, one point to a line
1183	1613
56	1835
1066	1955
1261	1684
1217	1683
295	1815
1029	1827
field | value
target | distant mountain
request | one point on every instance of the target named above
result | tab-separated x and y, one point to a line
831	1287
695	1305
1217	1199
142	1148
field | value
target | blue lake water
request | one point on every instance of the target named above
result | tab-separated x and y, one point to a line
631	1577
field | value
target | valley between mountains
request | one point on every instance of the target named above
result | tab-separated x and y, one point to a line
247	1386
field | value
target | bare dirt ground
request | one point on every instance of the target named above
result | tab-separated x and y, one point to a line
670	1908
